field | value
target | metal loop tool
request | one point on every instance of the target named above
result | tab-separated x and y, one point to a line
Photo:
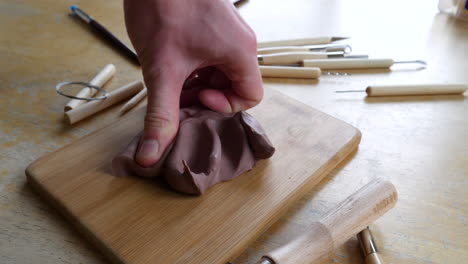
59	86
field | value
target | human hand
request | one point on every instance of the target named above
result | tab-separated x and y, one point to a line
178	39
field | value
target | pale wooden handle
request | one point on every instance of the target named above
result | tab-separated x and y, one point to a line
347	219
270	50
349	63
290	57
290	72
99	80
93	107
295	42
420	89
133	101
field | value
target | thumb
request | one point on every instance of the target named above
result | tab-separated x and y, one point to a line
162	114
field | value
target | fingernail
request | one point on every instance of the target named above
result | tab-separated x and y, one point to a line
148	150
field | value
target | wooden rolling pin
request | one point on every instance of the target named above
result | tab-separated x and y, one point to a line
99	80
93	107
299	42
414	89
344	221
354	63
290	72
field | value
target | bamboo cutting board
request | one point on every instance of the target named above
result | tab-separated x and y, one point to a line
140	221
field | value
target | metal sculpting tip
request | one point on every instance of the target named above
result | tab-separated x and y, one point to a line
338	38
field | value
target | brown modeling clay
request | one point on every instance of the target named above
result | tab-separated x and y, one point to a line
209	148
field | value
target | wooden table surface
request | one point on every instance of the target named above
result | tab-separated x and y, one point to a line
420	143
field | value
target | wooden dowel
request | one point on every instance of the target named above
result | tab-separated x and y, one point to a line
290	57
271	50
416	89
290	72
330	64
99	80
93	107
346	220
295	42
133	101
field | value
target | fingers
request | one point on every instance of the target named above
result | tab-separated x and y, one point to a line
241	68
162	114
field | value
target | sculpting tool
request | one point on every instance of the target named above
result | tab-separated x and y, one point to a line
355	63
413	89
324	48
133	101
99	80
347	219
237	2
104	33
299	57
368	247
113	97
294	72
299	42
290	72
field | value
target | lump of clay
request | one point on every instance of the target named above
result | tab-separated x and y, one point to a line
209	148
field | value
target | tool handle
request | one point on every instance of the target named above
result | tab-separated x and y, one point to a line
290	57
99	80
133	101
420	89
349	63
344	221
295	42
290	72
93	107
281	49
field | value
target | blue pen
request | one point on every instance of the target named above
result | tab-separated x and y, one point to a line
103	32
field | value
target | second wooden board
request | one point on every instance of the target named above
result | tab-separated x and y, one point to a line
140	221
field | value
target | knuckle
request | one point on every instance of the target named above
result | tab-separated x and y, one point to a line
159	118
251	41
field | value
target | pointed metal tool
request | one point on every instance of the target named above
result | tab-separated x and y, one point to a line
412	89
356	63
299	42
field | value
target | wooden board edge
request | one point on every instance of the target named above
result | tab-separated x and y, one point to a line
102	248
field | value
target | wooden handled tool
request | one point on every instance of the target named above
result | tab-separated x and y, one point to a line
346	220
99	80
291	57
415	89
298	57
133	101
114	97
323	48
299	42
290	72
354	63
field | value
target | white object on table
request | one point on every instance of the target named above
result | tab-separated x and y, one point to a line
290	72
114	97
354	63
99	80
